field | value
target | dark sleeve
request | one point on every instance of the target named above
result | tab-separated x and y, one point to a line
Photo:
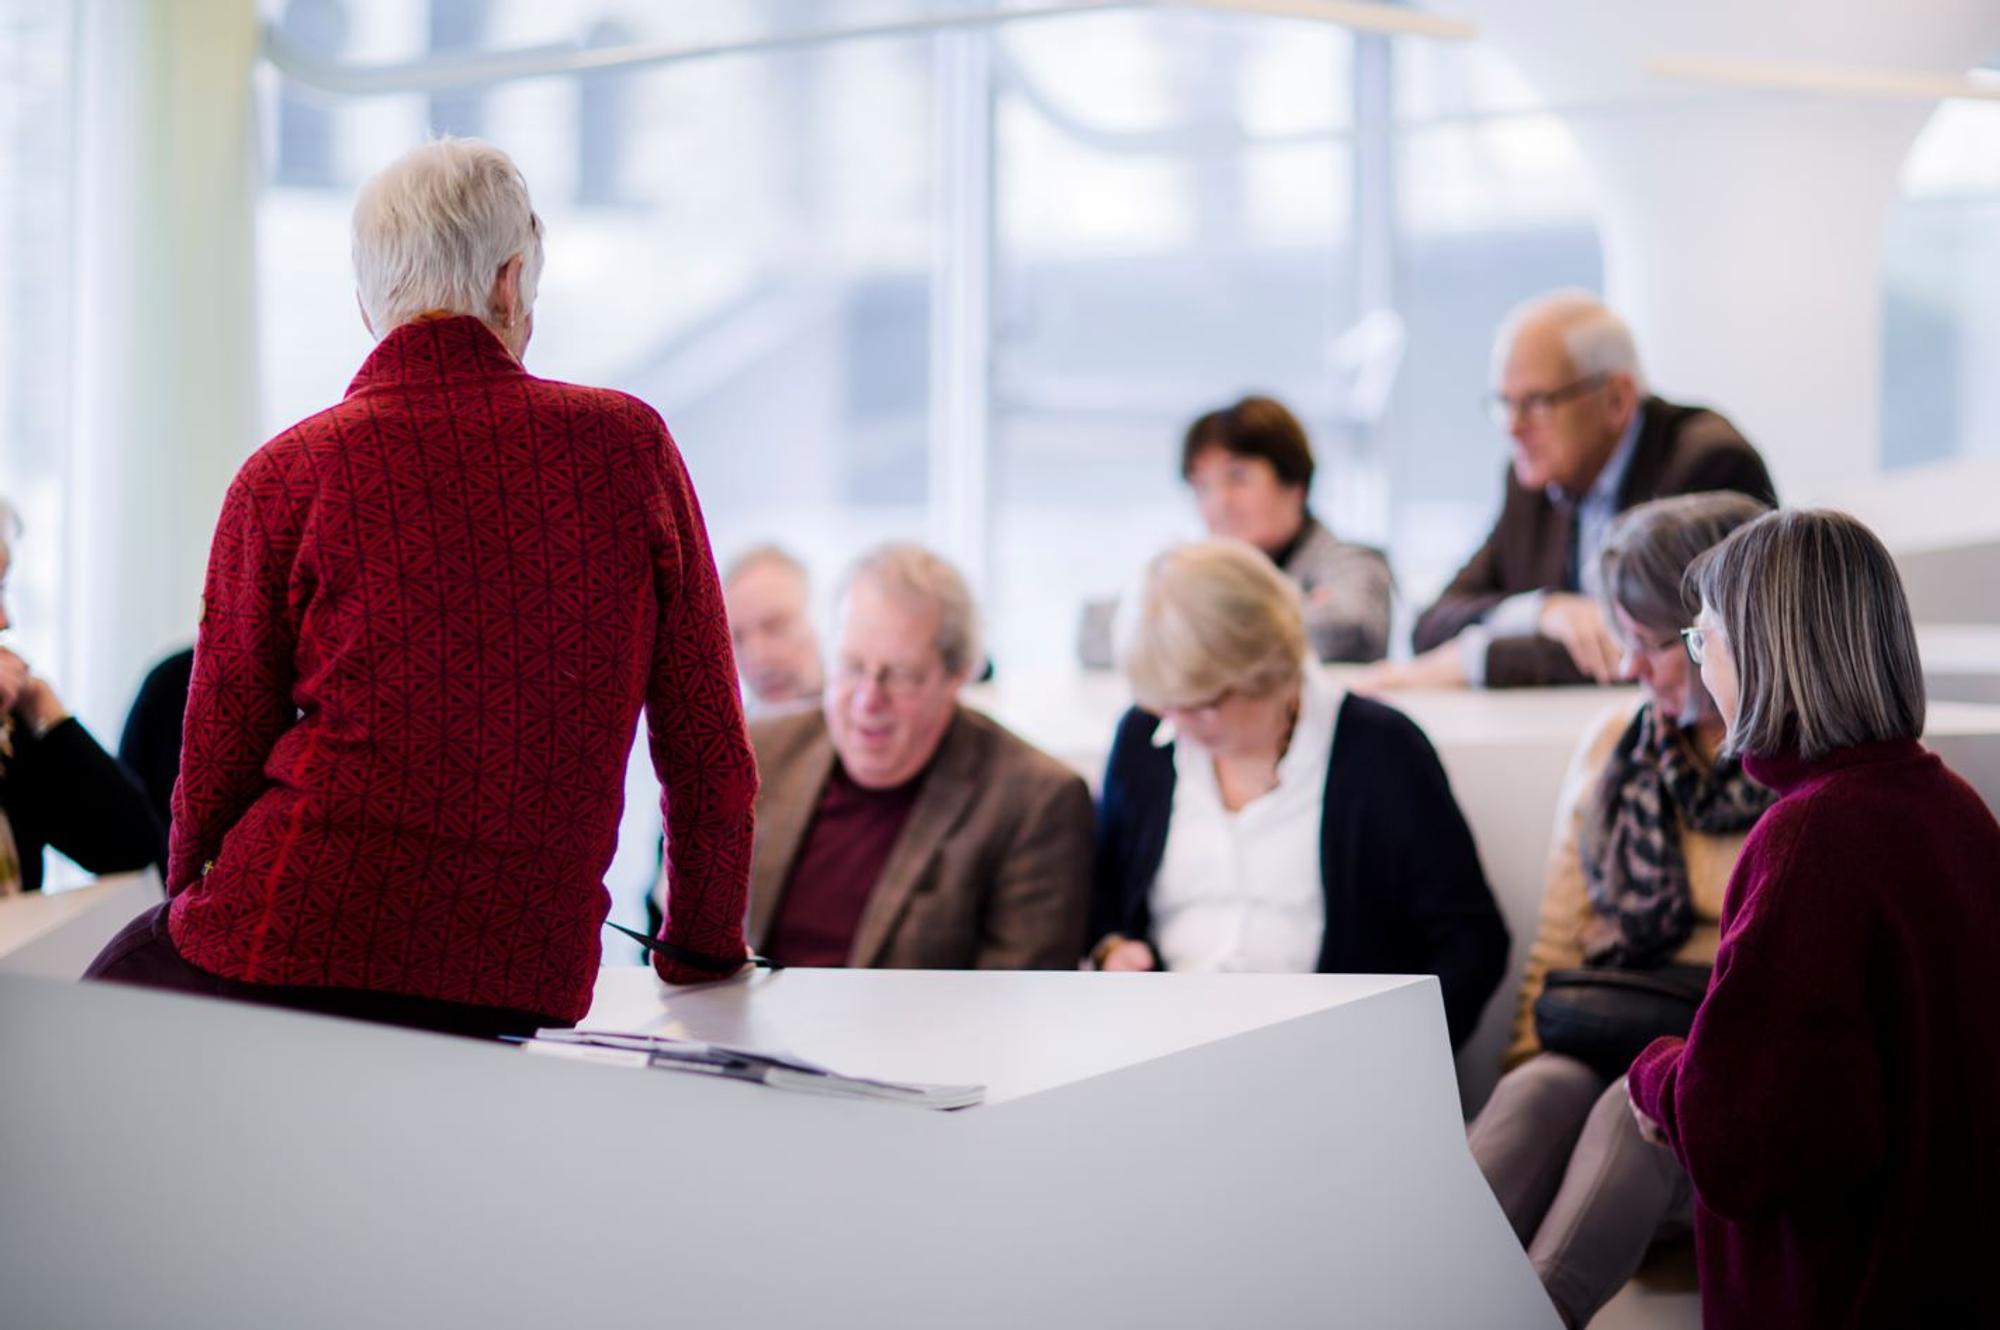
1530	662
65	791
1117	831
1470	597
1729	463
1778	1095
150	747
1441	890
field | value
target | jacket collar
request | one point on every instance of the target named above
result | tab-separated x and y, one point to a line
791	796
1787	771
432	352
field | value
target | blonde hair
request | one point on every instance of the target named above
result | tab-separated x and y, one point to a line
1215	617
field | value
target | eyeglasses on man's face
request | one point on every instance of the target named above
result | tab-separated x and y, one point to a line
897	682
1536	408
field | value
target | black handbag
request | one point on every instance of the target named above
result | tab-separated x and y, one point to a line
1605	1017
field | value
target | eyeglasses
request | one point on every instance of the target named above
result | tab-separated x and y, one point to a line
1696	641
1536	408
897	682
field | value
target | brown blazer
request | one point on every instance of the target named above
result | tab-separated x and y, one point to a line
991	872
1681	450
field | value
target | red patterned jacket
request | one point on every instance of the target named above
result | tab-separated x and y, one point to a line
431	618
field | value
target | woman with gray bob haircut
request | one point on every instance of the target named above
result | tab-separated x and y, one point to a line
1833	1103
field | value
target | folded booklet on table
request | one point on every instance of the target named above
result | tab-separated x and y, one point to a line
774	1069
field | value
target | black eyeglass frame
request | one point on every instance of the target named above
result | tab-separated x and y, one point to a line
1537	406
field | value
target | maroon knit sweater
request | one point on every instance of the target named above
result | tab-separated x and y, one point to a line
1837	1102
431	618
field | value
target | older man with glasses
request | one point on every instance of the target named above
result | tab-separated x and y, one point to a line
1589	442
895	828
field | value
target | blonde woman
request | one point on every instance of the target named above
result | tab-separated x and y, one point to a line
1255	818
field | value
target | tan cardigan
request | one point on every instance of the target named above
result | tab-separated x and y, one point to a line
1566	901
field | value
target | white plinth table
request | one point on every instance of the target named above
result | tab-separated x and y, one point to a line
57	933
1157	1150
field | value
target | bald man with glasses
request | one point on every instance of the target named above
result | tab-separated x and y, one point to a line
897	829
1588	442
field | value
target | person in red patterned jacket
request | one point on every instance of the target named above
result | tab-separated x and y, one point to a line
432	615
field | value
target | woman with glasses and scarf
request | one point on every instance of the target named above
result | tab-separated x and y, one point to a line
1652	818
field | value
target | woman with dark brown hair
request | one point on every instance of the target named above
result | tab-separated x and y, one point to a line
1251	469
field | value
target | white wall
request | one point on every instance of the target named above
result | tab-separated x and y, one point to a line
1744	230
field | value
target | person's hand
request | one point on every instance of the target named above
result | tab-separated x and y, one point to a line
1649	1130
1440	667
1128	957
1578	623
25	695
14	680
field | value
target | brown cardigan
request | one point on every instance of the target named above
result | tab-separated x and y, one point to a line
1681	450
990	872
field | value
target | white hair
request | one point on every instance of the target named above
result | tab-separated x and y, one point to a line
1595	338
433	229
914	577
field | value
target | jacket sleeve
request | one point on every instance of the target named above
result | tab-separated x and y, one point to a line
1777	1094
1530	662
1347	604
1442	890
695	734
1035	918
67	792
240	700
1466	600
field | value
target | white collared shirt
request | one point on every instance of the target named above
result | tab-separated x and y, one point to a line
1241	890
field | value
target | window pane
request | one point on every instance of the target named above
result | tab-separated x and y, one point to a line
36	131
1941	265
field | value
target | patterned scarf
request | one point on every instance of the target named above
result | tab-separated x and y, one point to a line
10	853
1631	845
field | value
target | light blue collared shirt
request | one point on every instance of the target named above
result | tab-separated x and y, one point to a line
1599	504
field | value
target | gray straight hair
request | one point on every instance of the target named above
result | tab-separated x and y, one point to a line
1642	568
1818	626
433	229
916	578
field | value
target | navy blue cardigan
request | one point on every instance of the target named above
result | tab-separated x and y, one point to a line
1404	890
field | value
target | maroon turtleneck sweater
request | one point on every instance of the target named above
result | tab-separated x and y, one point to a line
1837	1102
432	615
